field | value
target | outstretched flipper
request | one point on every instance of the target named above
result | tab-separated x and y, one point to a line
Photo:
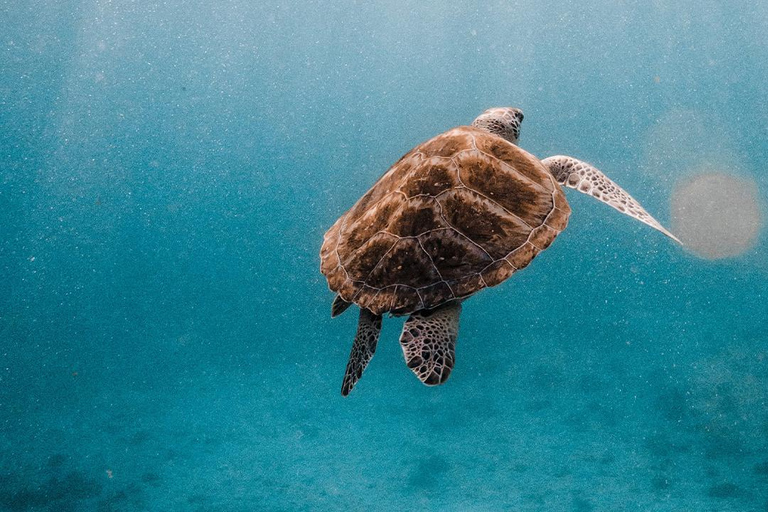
429	342
585	178
368	329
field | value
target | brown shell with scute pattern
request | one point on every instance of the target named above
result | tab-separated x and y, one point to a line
458	213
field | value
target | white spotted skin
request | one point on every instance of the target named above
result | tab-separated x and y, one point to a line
502	121
587	179
429	343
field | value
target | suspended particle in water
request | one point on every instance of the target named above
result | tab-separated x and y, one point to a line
716	215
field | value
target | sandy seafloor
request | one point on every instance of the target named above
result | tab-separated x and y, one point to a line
168	171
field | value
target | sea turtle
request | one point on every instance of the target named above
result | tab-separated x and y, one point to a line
461	212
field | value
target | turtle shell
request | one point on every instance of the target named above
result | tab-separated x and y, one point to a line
458	213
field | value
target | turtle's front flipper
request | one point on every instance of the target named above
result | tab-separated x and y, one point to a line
583	177
368	329
429	342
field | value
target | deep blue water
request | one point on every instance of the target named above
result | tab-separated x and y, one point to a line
168	171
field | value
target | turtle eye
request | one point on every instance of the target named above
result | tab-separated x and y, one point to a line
519	115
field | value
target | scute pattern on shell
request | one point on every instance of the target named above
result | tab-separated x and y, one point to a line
458	213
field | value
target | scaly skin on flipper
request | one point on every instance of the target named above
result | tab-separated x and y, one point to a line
587	179
368	329
429	343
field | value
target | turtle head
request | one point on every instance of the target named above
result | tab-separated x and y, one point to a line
502	121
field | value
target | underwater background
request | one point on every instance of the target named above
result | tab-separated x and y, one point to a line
167	172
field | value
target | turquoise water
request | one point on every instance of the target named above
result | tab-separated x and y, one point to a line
168	171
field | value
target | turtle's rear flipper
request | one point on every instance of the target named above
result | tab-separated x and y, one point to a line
368	329
339	306
585	178
429	343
